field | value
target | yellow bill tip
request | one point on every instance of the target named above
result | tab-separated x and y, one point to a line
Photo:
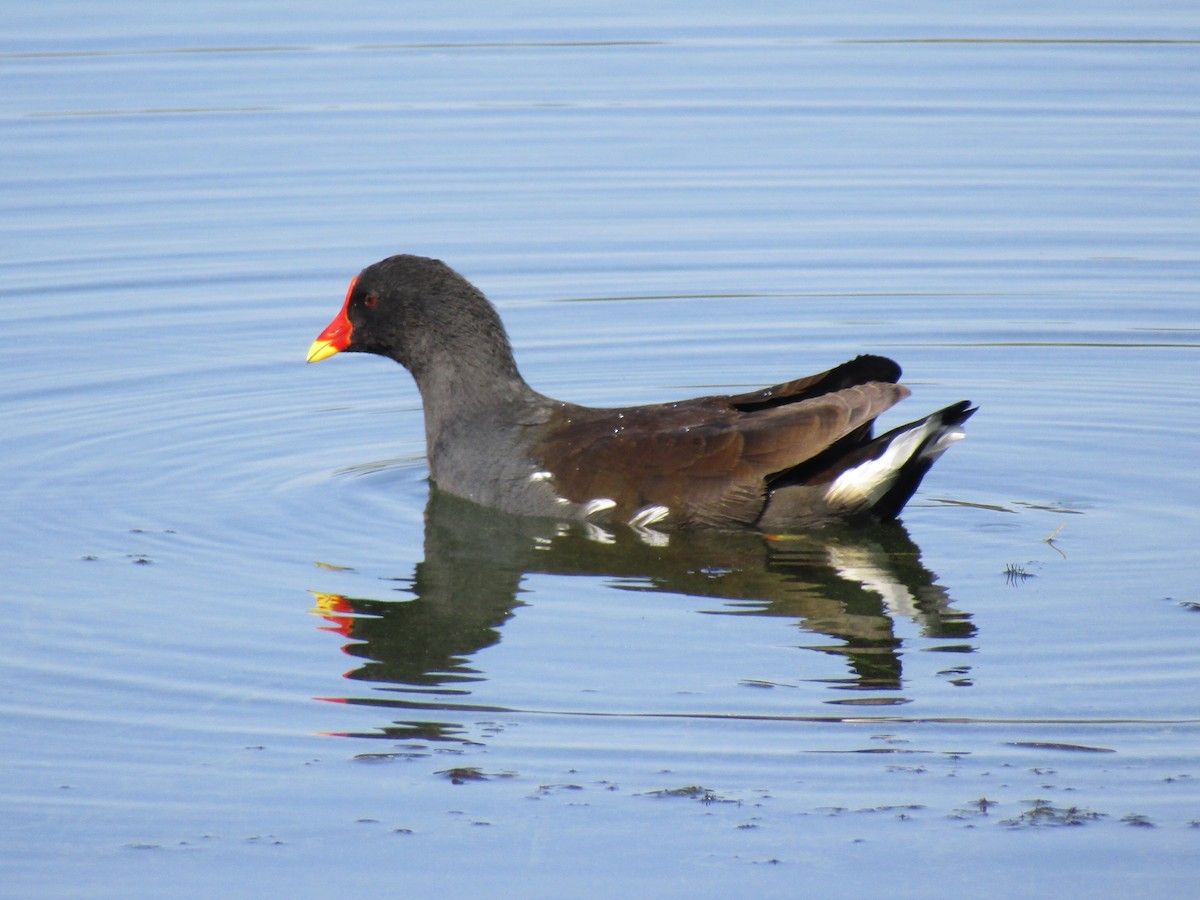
321	350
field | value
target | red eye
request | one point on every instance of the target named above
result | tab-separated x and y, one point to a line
370	300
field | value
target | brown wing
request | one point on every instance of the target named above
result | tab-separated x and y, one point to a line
707	460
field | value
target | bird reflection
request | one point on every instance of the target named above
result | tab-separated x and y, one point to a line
851	587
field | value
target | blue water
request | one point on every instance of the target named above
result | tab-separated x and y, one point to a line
244	651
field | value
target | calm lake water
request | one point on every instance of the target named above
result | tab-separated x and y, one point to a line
246	653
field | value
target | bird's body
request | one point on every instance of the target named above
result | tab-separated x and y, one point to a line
795	455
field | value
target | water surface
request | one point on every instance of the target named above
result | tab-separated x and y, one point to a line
247	651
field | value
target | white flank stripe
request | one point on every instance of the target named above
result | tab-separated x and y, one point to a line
599	505
648	515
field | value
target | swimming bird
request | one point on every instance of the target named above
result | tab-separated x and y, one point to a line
796	455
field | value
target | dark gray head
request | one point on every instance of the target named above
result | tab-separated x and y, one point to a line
427	317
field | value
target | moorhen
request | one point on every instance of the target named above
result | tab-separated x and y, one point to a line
796	455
